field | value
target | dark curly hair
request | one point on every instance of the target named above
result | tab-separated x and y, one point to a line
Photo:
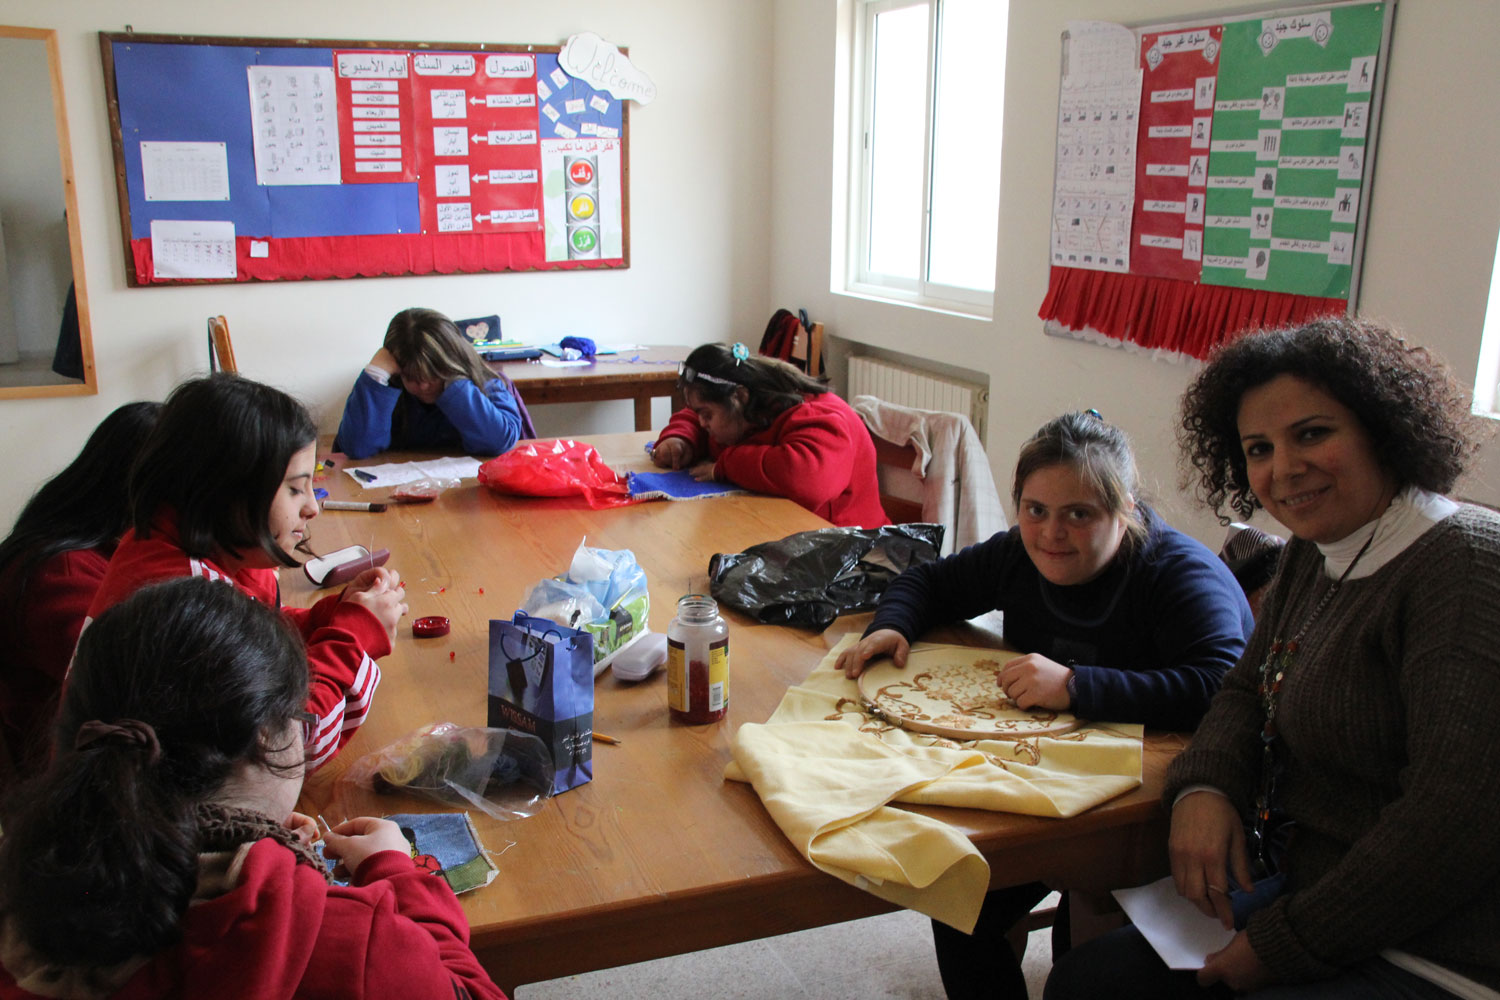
1409	404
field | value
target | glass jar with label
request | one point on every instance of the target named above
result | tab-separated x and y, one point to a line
698	661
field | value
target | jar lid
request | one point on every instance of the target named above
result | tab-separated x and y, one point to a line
430	627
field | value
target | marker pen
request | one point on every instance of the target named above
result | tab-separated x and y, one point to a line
374	508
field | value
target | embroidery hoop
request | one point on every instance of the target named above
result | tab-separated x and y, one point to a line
918	697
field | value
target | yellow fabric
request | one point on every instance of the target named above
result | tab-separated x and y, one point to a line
826	770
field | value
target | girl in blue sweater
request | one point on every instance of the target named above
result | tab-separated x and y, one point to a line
427	388
1122	619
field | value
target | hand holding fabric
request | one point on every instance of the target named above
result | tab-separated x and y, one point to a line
355	840
881	642
1034	681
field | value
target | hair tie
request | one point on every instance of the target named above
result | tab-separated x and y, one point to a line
1095	414
740	352
126	732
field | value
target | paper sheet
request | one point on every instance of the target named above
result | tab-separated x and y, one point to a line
184	171
197	249
1181	935
396	473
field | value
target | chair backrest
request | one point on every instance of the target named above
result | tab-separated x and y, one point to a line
1252	556
900	488
220	349
807	347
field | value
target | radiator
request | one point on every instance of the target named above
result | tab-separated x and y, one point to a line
919	389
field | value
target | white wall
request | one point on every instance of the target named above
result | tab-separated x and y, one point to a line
699	161
1434	215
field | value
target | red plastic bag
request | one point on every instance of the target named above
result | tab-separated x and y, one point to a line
556	467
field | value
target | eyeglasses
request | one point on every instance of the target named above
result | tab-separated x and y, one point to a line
689	375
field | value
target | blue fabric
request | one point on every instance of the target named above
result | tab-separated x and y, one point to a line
1150	639
678	484
480	423
583	345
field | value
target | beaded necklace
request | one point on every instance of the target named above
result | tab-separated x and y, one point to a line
1273	669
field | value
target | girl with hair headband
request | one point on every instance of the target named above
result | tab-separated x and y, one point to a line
764	425
223	490
1122	619
159	856
427	388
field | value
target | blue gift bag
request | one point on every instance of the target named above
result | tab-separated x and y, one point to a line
542	682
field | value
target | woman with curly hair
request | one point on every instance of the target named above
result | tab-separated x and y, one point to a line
1348	769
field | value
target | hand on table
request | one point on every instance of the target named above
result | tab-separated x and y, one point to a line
1235	965
881	642
704	471
354	840
380	592
671	453
1033	681
1207	842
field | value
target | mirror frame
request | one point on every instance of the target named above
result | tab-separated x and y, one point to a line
89	386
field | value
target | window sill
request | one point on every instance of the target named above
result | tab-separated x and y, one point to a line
889	296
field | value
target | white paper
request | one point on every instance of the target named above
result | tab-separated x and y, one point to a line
559	363
603	66
1101	47
192	249
1181	935
396	473
295	124
184	171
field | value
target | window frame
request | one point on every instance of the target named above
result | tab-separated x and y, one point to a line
859	278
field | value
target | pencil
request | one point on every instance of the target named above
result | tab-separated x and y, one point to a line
601	738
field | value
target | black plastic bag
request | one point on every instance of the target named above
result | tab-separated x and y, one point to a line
812	577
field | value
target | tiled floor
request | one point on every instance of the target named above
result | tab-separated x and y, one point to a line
888	956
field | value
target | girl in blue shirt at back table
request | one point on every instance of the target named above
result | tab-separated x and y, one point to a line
427	388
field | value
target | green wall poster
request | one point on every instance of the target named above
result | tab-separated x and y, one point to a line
1286	163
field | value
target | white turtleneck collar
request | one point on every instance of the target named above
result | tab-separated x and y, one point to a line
1411	512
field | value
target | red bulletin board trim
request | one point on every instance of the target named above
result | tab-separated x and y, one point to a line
1172	315
318	257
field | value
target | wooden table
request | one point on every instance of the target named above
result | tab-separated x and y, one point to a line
608	376
658	855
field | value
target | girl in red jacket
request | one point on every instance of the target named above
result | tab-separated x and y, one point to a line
223	490
762	424
159	856
51	565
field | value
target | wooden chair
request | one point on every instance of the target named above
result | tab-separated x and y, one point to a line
807	347
900	489
220	349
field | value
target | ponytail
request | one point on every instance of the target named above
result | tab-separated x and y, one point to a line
170	690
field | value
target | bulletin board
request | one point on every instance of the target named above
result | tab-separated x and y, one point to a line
241	159
1213	175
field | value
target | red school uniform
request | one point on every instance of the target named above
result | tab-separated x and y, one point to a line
817	453
343	639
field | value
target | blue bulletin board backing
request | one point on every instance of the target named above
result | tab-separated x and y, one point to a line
492	159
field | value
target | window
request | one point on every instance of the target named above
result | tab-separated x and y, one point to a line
1486	392
926	184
